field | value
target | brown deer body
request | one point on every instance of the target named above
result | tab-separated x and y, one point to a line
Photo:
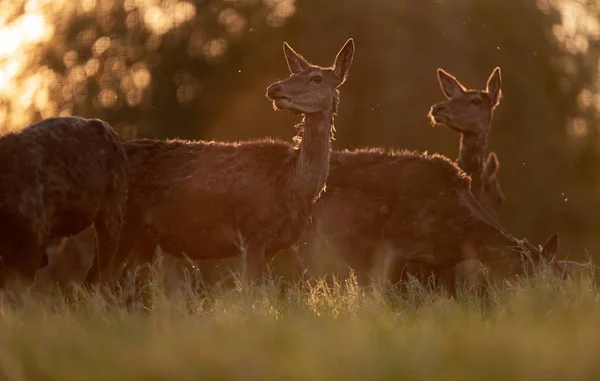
57	177
413	208
216	200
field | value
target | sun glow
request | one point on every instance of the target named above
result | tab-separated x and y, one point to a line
21	38
59	56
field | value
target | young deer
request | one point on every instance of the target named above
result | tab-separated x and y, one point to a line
58	177
254	198
469	112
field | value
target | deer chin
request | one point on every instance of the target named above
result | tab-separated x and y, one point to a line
446	121
282	103
439	118
286	103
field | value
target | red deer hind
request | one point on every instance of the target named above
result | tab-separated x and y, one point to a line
409	207
57	177
469	112
253	198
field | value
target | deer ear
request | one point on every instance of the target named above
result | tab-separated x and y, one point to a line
449	84
492	165
343	60
494	86
550	247
296	63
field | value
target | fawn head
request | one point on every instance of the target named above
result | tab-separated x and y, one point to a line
562	268
507	267
492	196
311	89
467	111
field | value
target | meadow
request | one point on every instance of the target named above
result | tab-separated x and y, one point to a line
537	328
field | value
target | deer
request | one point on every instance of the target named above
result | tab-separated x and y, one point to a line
406	207
58	177
469	112
246	199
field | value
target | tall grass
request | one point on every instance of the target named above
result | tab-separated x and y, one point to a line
539	328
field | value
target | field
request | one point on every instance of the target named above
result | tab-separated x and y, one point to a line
539	328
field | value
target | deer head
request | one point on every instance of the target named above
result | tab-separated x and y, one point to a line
507	267
311	89
467	111
492	196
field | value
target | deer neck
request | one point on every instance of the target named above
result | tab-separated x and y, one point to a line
312	165
471	158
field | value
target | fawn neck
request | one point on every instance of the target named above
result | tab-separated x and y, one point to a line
312	166
470	159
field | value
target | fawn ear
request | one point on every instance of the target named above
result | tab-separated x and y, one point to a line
296	63
343	60
494	86
449	84
491	165
550	247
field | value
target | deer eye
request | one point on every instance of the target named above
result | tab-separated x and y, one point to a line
476	101
317	79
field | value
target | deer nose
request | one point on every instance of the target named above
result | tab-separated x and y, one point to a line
438	107
273	90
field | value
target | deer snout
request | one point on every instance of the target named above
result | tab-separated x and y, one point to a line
438	113
273	90
438	108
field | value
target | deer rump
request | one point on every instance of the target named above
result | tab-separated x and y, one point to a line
419	206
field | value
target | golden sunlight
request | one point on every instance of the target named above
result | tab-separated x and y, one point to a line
577	27
33	31
20	38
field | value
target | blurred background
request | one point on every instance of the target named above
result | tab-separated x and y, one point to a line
199	70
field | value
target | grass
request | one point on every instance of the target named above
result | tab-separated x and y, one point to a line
536	329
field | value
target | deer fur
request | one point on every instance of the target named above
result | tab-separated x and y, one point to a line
490	199
58	177
411	207
249	199
492	195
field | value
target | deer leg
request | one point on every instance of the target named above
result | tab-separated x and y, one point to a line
22	266
361	259
128	236
107	241
255	263
143	253
299	267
